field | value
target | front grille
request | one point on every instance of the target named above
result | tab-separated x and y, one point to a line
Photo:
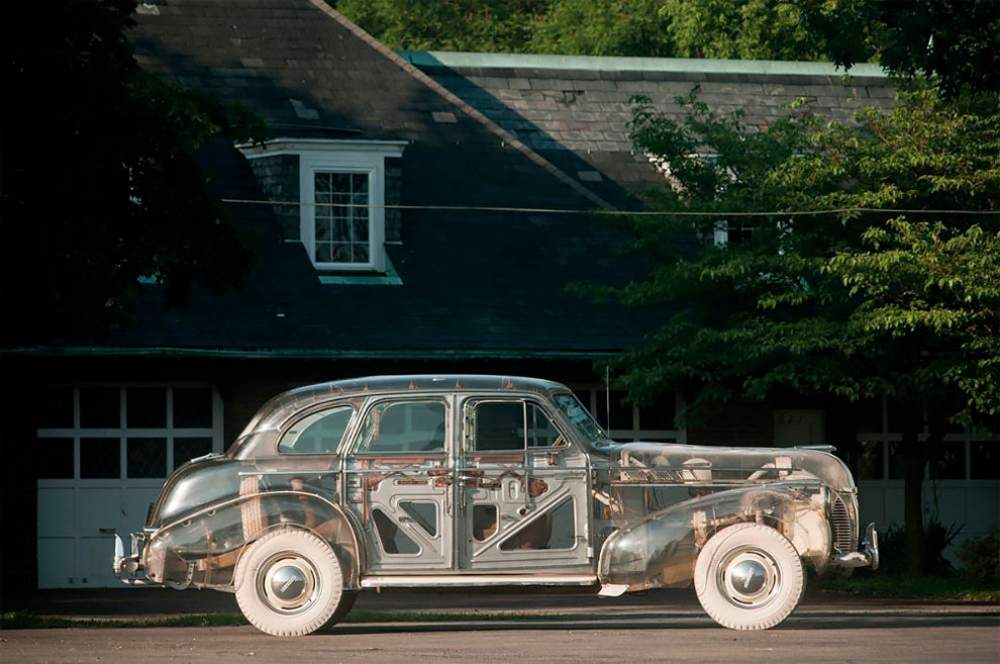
841	524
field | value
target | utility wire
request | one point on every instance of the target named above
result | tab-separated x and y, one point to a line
616	213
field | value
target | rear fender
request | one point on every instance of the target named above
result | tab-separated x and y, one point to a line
660	549
203	549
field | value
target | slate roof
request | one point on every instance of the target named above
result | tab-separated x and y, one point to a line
574	110
473	283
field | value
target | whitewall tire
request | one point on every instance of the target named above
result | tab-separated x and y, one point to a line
290	583
749	577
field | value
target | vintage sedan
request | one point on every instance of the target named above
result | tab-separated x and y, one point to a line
444	481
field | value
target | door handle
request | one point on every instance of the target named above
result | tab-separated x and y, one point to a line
107	531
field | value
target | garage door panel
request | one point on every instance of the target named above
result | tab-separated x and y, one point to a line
136	505
96	554
57	562
98	510
56	512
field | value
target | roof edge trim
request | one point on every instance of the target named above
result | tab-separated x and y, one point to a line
274	146
296	353
462	60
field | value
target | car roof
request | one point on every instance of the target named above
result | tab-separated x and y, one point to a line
286	404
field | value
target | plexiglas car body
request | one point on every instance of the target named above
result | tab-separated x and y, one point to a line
438	481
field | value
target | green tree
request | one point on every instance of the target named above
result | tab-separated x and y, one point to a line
604	27
955	41
449	25
854	305
100	182
749	30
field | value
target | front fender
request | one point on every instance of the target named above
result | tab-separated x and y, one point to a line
203	548
661	549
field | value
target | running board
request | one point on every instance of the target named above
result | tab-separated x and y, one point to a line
477	580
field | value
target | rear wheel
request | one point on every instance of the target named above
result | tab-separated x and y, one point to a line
749	577
290	583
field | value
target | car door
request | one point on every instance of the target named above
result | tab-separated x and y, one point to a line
523	489
399	484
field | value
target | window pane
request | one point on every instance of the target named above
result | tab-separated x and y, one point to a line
360	230
319	433
360	182
360	253
658	415
897	462
324	252
621	411
555	529
192	408
424	514
322	181
985	460
404	427
99	458
54	458
948	461
146	407
393	539
323	230
55	411
146	457
341	253
484	522
541	431
499	426
186	449
100	408
869	459
341	230
340	182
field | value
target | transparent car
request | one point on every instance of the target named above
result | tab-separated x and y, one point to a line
446	481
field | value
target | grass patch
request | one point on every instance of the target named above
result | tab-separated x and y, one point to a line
928	587
29	620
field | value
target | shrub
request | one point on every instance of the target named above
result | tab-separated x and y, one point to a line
979	557
937	538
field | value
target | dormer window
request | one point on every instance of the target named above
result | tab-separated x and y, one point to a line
341	191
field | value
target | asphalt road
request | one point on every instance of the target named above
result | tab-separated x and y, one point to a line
815	636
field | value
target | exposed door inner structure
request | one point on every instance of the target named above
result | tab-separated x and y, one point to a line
522	490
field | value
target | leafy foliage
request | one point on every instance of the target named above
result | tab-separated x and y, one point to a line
979	557
752	29
852	304
956	41
100	180
451	25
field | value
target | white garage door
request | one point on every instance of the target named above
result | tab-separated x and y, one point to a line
104	452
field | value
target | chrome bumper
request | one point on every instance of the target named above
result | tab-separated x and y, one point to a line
129	568
867	556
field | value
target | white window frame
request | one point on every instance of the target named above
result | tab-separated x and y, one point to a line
337	156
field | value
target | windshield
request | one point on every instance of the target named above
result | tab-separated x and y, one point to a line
580	418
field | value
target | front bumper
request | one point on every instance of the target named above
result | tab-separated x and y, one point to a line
867	556
129	568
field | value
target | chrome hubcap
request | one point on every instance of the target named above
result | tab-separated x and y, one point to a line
749	578
288	583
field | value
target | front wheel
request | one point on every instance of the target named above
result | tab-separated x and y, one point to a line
290	583
749	577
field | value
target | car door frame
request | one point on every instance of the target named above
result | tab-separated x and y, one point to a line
567	467
384	480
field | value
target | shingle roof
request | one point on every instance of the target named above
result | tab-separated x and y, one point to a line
473	283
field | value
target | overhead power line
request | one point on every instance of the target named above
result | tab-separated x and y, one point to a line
616	213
